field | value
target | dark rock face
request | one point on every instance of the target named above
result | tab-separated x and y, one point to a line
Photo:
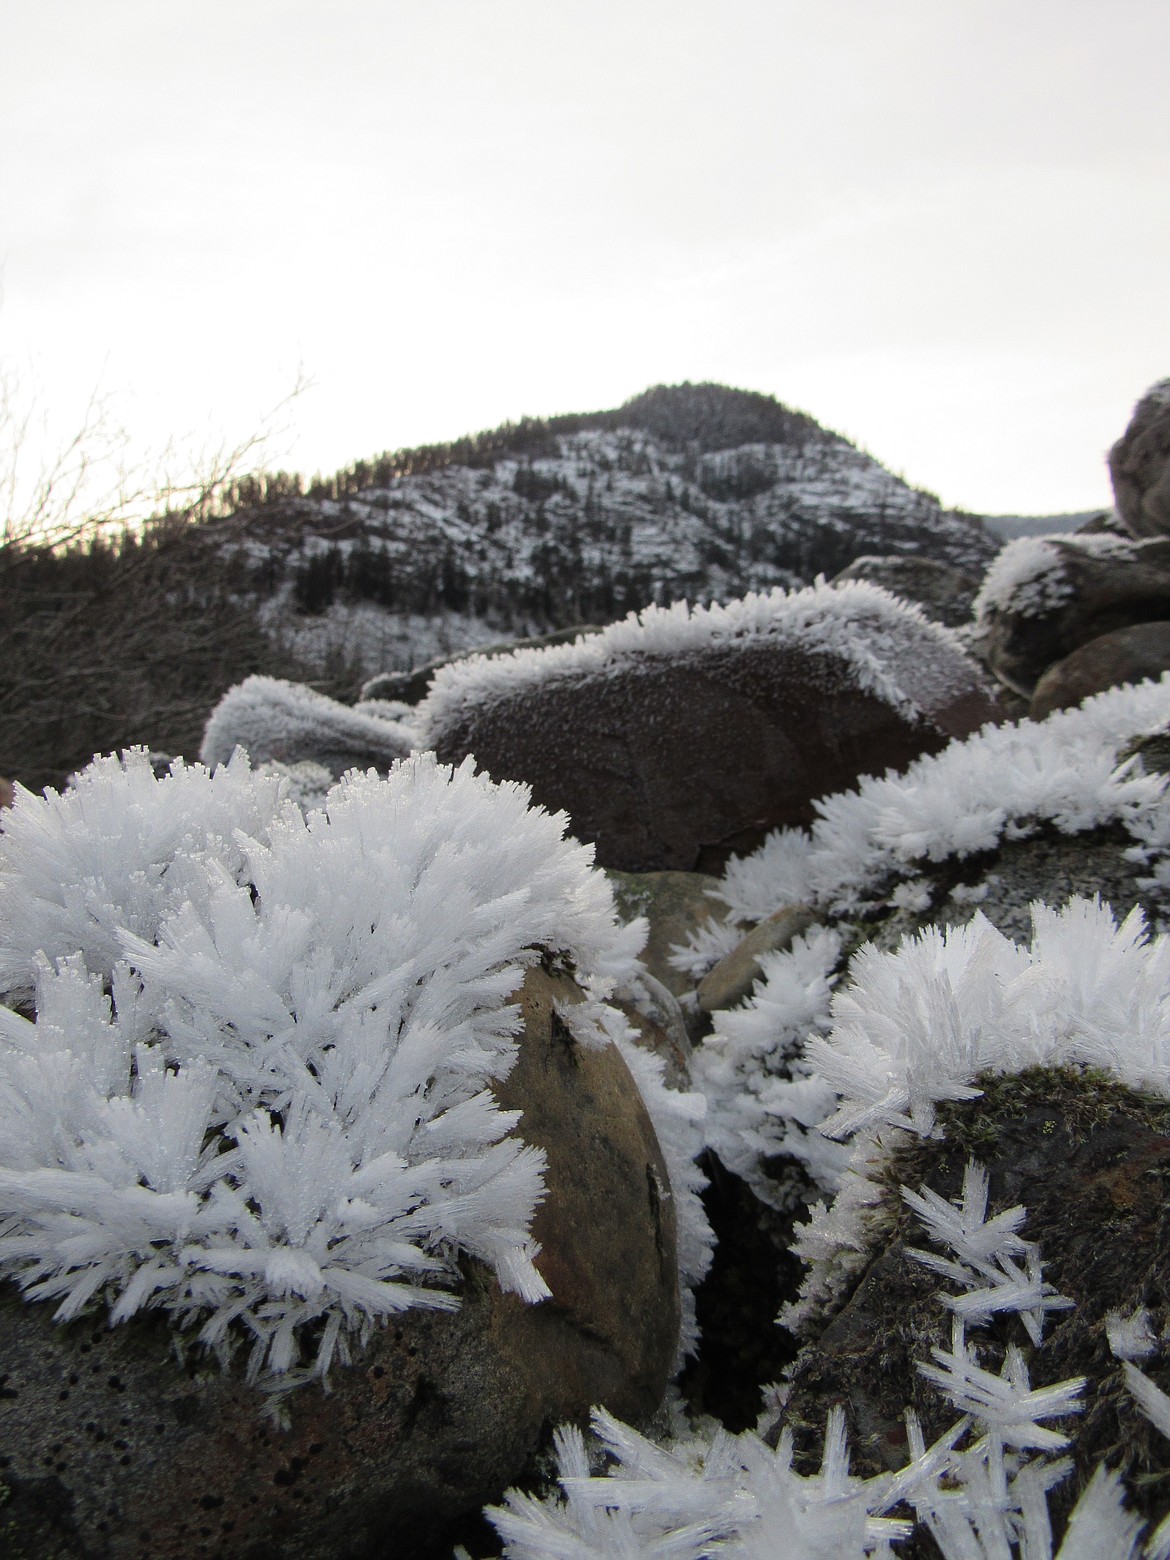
1088	1159
110	1447
678	763
411	687
1100	591
1139	466
943	592
1125	656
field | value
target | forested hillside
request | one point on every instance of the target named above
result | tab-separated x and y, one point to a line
690	492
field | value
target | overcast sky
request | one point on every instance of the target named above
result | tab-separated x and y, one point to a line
942	227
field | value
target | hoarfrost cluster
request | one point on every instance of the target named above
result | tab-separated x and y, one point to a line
866	845
278	720
981	1490
257	1086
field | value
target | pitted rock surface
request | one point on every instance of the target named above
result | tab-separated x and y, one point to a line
943	592
111	1447
1125	656
1105	584
680	762
1139	465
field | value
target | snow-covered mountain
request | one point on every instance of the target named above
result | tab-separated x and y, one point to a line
692	492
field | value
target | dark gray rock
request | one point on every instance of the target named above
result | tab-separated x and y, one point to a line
1139	465
1127	655
1097	585
943	592
1088	1159
112	1447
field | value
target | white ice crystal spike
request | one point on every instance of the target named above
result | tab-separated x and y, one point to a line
1100	1526
1005	1406
964	1226
1130	1337
1153	1402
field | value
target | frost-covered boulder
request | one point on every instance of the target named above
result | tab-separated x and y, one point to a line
302	1103
1045	596
943	592
1127	655
1139	465
680	735
411	687
290	724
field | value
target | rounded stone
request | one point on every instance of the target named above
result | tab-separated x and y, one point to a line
119	1444
679	762
1139	465
1127	655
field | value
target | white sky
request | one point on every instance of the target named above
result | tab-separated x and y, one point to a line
940	226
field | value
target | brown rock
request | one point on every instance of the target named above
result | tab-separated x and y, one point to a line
1127	655
679	762
676	904
7	794
1104	584
1139	466
735	975
943	592
114	1448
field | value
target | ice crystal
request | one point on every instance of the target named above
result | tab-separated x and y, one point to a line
867	844
258	1082
915	1026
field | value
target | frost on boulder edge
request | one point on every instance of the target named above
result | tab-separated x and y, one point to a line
677	738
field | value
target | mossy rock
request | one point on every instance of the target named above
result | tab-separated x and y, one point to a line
1090	1161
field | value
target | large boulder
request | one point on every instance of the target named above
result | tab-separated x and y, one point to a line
1044	597
677	738
1126	655
943	592
1139	465
117	1443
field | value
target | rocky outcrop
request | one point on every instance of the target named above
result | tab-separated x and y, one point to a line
117	1446
1087	1158
1127	655
943	592
1139	465
672	754
1046	597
